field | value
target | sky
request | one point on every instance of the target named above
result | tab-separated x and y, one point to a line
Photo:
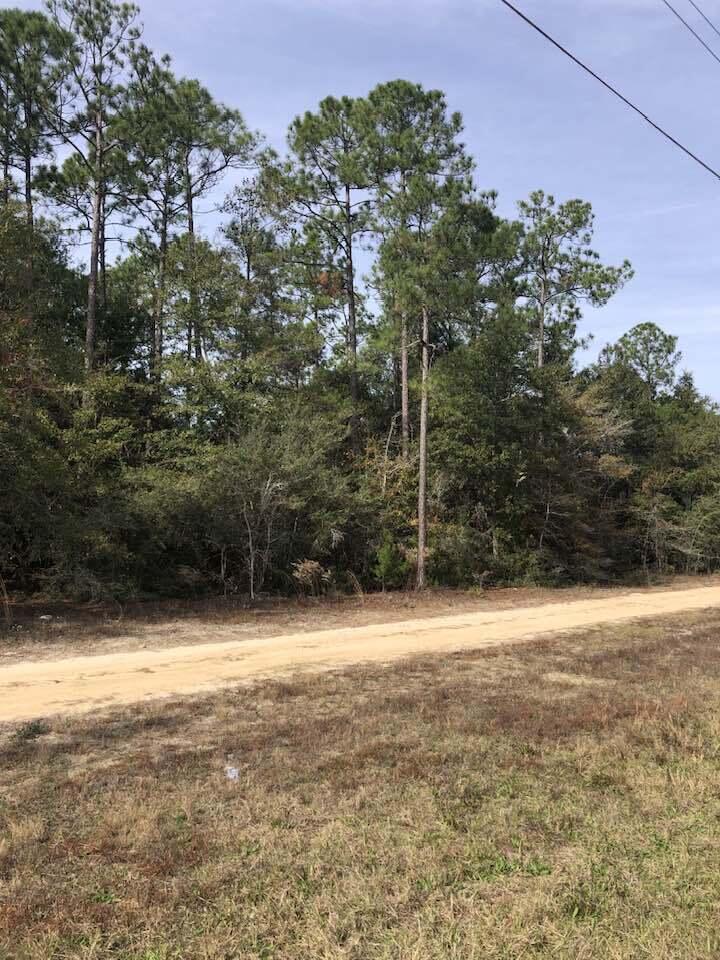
532	118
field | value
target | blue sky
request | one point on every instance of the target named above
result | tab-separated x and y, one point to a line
532	119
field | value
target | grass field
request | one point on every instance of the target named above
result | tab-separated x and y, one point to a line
559	798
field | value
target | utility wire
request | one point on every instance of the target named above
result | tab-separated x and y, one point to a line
613	90
692	30
707	19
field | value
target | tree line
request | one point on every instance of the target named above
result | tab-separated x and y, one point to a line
357	375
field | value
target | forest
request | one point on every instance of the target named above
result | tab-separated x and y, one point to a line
230	370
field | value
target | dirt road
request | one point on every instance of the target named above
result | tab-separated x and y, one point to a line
79	684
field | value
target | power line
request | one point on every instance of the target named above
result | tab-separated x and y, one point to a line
613	90
692	30
705	18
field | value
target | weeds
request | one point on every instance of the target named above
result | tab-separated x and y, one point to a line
31	730
472	807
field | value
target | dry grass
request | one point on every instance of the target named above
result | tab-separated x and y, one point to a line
557	799
73	629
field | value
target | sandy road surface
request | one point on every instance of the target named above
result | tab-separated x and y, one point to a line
78	684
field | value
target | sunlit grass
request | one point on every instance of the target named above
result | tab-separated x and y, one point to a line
556	799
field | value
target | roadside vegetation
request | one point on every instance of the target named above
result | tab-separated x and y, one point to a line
51	630
555	799
232	370
233	373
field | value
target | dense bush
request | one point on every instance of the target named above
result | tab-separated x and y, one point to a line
230	416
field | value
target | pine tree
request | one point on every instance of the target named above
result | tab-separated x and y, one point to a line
561	270
422	169
329	189
84	118
211	139
152	175
32	50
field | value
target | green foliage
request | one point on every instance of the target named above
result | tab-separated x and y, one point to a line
232	414
31	730
391	567
559	270
650	353
240	514
32	48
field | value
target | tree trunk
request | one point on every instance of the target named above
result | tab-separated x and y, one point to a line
194	333
223	569
5	186
28	169
28	192
5	601
158	332
90	329
541	326
91	326
423	460
352	318
404	388
251	554
404	369
101	255
27	164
